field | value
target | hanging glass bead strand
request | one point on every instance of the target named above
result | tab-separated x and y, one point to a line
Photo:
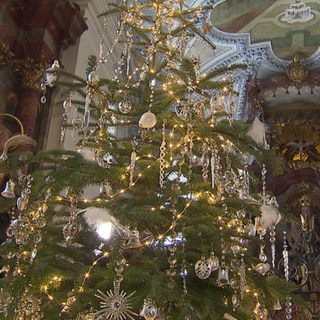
162	154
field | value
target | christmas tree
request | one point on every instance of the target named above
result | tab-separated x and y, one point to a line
174	217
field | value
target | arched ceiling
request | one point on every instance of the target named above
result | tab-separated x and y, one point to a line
270	20
263	35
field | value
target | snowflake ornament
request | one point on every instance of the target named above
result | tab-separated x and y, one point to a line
115	305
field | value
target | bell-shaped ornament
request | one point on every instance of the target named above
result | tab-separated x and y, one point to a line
148	120
8	192
277	305
134	241
223	277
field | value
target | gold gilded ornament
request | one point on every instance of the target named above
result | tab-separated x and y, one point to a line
297	72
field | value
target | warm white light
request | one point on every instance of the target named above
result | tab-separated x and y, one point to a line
104	230
100	221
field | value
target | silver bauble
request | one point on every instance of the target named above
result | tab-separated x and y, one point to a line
125	106
93	78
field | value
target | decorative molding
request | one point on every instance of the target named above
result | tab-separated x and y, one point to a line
31	72
6	55
233	48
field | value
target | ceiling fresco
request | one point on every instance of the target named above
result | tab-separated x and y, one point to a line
290	26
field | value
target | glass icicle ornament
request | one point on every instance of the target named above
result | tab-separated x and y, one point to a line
273	247
70	229
285	255
263	267
132	164
162	155
205	161
235	301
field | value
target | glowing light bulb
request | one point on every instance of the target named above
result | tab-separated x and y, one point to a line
104	230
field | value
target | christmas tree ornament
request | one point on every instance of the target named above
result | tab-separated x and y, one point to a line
93	78
67	105
149	310
125	106
8	192
172	259
71	228
132	164
205	161
260	312
234	301
148	120
29	307
223	276
273	246
51	74
134	240
77	122
262	268
288	308
213	260
182	111
285	257
71	299
5	300
115	304
270	216
199	109
203	268
106	188
22	201
277	305
258	133
162	155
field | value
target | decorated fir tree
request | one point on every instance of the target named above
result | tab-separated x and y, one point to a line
167	168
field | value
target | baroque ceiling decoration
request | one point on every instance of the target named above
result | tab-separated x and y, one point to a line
260	56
